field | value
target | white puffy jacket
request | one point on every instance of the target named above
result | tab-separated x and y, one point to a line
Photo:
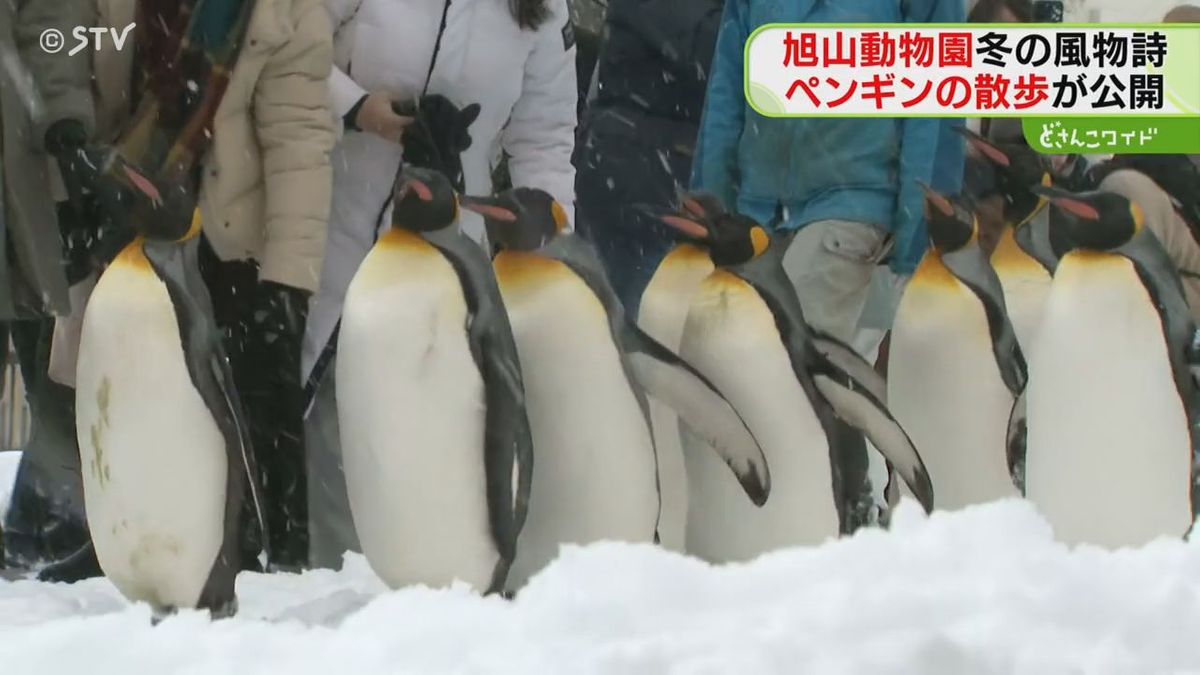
524	81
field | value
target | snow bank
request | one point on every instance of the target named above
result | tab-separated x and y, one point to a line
982	591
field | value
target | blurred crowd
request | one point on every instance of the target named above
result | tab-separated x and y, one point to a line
296	116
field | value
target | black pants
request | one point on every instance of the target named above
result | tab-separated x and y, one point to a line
46	518
275	412
618	176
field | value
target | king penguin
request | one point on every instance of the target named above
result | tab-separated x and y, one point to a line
746	332
163	439
662	313
955	368
431	405
1024	258
1111	401
588	371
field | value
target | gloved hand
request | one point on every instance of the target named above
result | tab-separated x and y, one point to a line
438	135
274	399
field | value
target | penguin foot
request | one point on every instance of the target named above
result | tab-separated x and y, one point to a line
162	613
508	595
80	565
224	610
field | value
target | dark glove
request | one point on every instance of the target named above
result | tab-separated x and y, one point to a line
274	400
438	135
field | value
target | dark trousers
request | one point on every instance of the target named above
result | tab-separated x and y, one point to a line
618	179
275	412
45	519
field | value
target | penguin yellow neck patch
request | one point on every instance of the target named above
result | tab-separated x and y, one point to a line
688	254
399	238
521	270
759	241
932	272
133	256
1008	255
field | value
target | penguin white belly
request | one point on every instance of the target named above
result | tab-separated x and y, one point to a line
411	410
732	338
662	314
594	465
945	389
1109	456
1026	286
153	458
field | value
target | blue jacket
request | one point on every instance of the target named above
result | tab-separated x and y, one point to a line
863	170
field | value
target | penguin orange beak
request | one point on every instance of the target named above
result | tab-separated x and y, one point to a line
687	226
935	199
985	148
419	187
1067	202
143	184
488	208
1076	208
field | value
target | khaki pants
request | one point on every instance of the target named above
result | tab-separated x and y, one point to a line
1165	222
831	262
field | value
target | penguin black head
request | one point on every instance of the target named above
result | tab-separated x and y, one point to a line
424	201
1018	168
1097	221
951	224
731	238
157	213
520	219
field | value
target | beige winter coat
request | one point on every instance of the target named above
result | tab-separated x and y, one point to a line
267	183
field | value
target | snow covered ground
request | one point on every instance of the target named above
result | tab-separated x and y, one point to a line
983	591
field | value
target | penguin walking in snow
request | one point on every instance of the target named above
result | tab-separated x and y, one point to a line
1111	401
1025	257
746	332
587	370
955	368
163	439
662	313
431	406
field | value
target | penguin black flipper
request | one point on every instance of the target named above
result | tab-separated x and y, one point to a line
1160	276
844	357
1015	441
698	402
861	410
1034	238
971	268
848	460
666	376
204	353
508	446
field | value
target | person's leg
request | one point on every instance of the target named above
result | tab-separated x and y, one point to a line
231	289
46	520
614	186
830	263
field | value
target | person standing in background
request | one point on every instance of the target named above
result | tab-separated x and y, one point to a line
513	62
45	115
848	187
640	130
1167	188
263	189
